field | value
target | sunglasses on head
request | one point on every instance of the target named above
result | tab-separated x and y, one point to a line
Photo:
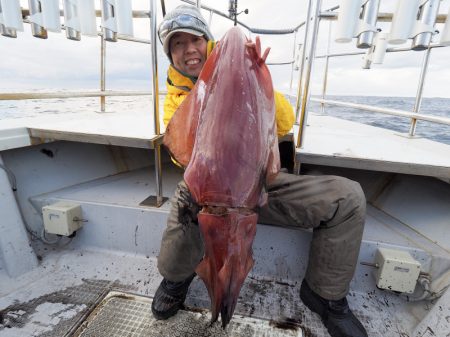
180	21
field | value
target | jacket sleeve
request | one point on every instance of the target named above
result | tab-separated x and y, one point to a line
171	104
284	114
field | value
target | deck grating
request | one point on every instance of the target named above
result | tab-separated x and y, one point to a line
122	314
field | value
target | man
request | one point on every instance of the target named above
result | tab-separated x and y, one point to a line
333	206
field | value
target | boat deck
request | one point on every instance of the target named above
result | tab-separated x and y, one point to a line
73	277
53	299
117	248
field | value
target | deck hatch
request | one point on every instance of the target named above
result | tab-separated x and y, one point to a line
123	314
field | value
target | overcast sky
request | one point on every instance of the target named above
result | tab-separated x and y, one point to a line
28	63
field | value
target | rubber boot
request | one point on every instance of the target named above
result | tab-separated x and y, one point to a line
169	298
336	315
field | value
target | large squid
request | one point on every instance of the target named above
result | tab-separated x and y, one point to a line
224	134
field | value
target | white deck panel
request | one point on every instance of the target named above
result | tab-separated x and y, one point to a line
336	142
125	128
133	129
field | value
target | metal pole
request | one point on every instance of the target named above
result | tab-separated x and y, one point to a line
302	64
325	76
305	99
102	72
293	63
210	19
163	8
418	102
235	12
382	17
68	94
389	50
158	170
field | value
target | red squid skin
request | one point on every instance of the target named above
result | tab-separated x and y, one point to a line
224	134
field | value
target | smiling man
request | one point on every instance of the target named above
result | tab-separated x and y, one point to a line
187	42
333	206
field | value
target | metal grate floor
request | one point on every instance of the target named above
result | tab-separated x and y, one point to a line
121	314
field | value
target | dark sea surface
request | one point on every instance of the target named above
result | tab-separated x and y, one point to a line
430	106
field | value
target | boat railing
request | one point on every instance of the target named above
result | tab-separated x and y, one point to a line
388	111
414	115
102	93
315	15
303	95
15	96
105	35
306	62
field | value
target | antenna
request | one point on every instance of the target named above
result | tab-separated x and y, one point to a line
232	10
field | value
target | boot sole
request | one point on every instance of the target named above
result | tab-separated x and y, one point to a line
162	316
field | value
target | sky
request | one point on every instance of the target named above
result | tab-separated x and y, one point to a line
28	63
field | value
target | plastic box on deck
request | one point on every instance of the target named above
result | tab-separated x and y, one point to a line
397	270
62	218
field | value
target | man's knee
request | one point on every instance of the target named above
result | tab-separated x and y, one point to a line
351	199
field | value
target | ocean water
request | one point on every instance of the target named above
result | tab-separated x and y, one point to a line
431	106
36	107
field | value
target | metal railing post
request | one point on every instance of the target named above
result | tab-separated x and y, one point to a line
302	63
325	76
210	19
158	170
102	71
293	61
305	99
163	8
418	102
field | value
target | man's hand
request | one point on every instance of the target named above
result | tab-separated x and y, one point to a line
255	49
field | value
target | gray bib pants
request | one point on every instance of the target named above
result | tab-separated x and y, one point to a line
334	207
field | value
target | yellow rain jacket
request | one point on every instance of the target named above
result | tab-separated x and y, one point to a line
179	86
